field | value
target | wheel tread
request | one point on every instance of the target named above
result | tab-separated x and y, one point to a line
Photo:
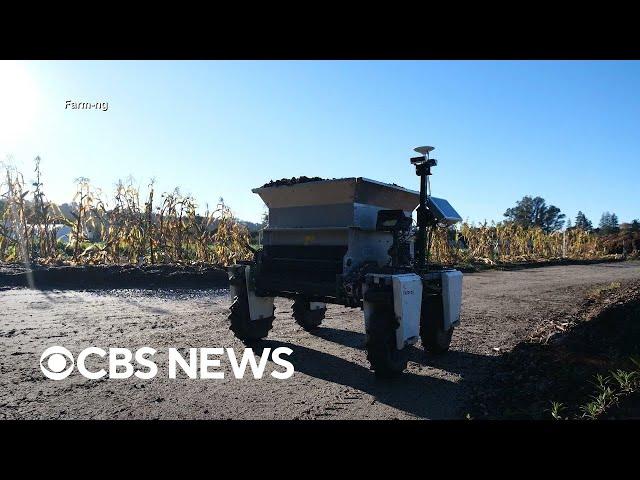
386	361
305	317
241	324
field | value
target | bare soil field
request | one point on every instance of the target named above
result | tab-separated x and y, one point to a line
331	381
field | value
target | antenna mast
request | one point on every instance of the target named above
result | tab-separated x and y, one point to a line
423	169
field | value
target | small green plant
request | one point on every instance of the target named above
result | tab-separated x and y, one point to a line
593	408
626	380
603	398
610	389
557	408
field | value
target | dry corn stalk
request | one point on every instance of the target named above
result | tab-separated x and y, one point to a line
171	231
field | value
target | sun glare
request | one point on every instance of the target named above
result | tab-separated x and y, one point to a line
18	103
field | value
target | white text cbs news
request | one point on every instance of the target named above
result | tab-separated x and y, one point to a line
57	363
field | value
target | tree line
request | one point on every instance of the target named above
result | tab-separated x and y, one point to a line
534	212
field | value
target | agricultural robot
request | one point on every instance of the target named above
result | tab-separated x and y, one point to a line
352	242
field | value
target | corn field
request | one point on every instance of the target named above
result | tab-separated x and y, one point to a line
122	229
128	229
506	243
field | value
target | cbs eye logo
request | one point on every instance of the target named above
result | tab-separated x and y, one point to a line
56	365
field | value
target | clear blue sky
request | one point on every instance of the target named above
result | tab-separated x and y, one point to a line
567	131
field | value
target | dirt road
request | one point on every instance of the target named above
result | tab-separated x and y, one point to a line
332	379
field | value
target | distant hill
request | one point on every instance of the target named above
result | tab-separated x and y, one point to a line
252	227
66	210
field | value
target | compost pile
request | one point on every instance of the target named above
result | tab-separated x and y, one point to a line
283	182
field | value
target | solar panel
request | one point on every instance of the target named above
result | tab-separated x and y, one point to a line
443	210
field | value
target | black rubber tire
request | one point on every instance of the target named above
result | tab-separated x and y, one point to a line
241	325
438	341
385	359
435	339
304	316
